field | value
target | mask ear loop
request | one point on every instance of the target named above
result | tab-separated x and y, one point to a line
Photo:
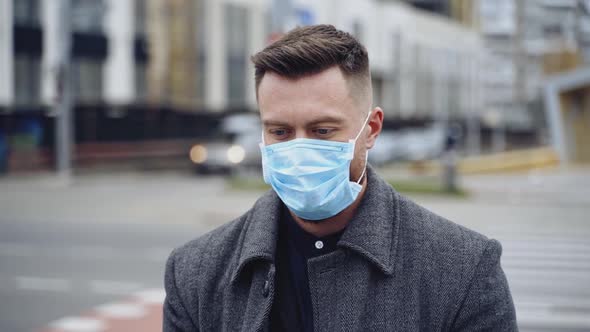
364	168
262	138
367	152
363	127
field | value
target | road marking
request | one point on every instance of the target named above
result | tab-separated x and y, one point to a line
159	254
541	266
562	305
140	312
121	310
43	284
78	324
541	238
537	255
557	300
105	287
510	245
113	287
151	296
87	252
155	254
553	276
543	319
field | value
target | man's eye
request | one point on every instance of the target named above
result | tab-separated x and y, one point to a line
278	132
323	131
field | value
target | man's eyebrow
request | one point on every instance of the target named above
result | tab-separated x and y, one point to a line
323	119
269	123
326	119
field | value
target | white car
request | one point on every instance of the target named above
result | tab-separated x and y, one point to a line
228	155
407	144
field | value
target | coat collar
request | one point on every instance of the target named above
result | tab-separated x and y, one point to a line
372	232
261	232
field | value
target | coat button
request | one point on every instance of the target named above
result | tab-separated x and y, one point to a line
266	288
269	277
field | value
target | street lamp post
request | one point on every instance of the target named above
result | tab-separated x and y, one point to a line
62	106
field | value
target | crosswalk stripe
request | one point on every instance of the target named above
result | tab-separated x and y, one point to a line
43	284
78	324
549	276
547	264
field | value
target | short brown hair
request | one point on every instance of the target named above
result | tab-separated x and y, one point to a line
309	50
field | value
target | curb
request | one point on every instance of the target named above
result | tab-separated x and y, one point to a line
497	163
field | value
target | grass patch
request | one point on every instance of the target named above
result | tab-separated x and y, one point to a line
426	186
422	186
247	183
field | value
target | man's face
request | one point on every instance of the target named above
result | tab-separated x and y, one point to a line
318	106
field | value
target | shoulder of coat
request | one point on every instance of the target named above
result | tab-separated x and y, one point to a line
431	231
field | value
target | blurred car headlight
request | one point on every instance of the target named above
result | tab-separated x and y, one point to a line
198	154
236	154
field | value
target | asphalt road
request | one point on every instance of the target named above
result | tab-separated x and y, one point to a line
67	248
52	270
542	219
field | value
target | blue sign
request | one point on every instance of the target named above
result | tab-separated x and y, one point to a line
304	16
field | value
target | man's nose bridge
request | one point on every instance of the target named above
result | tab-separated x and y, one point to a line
301	133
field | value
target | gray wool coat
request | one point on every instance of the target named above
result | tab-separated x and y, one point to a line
398	267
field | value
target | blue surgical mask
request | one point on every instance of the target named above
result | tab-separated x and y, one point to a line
311	176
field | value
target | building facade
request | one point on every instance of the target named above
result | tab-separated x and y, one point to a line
198	51
162	69
521	35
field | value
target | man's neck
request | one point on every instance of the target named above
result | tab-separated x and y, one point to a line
333	224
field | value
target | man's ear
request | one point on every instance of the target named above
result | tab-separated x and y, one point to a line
375	124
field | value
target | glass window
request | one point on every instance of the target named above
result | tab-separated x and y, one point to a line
377	83
26	12
87	80
141	88
88	15
140	17
236	39
200	64
27	76
454	83
358	31
418	73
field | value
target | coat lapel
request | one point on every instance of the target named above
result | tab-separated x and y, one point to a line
338	281
253	280
374	230
341	282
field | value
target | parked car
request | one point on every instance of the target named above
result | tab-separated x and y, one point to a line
411	144
236	148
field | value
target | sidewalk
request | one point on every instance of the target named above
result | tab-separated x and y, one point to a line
150	197
180	198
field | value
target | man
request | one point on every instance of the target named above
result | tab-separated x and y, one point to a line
332	247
